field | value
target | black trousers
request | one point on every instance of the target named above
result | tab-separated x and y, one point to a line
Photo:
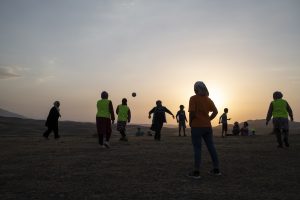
50	129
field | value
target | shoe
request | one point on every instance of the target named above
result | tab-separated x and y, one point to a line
287	144
194	175
124	139
106	144
46	138
215	172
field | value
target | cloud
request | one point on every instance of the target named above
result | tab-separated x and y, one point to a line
7	72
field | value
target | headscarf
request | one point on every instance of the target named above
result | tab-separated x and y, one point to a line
56	105
201	89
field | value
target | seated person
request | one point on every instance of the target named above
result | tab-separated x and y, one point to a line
245	129
236	128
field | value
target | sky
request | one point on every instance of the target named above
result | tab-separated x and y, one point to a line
72	50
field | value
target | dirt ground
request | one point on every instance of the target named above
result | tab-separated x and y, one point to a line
76	167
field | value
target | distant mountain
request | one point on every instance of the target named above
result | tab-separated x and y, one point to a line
5	113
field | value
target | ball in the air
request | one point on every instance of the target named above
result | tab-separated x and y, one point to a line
133	94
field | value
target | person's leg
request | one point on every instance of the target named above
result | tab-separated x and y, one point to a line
196	141
208	139
225	129
285	131
222	130
55	130
179	129
108	129
47	132
184	131
158	134
99	131
277	131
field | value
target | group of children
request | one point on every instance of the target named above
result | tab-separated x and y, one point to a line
279	109
105	117
236	130
201	111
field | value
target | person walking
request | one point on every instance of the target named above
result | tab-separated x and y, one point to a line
52	121
104	118
280	110
124	116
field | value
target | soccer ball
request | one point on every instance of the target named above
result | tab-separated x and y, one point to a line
133	94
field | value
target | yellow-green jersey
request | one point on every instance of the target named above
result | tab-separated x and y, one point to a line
279	108
104	109
123	112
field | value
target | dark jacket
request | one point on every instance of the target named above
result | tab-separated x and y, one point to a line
52	119
159	114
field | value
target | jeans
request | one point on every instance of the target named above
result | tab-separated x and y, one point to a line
206	134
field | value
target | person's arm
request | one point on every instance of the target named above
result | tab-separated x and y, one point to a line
169	112
111	110
185	117
129	115
117	111
192	113
269	114
192	116
289	109
151	111
177	116
214	111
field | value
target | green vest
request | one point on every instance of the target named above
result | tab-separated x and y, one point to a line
123	113
279	108
103	108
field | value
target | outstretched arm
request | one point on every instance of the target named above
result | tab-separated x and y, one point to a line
169	112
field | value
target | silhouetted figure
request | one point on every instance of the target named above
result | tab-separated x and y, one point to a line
236	129
124	116
223	119
280	110
104	118
245	129
159	118
52	121
181	119
200	105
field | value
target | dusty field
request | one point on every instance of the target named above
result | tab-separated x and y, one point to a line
75	167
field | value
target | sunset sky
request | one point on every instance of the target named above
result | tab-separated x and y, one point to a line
71	50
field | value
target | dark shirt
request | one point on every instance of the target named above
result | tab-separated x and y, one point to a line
52	119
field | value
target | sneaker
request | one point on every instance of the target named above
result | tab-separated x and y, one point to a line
124	139
215	172
106	144
46	138
194	174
